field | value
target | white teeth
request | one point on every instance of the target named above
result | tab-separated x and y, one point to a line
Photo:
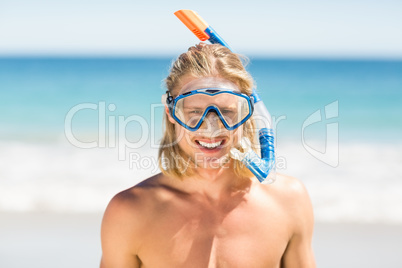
210	145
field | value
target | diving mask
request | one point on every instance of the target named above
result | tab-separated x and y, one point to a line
190	109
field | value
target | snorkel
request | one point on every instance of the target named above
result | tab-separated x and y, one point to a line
262	167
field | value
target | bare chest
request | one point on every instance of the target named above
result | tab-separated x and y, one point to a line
197	237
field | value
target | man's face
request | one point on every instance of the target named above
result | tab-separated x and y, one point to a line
209	146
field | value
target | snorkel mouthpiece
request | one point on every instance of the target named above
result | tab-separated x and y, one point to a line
262	167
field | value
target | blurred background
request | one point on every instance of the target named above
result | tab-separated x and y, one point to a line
81	115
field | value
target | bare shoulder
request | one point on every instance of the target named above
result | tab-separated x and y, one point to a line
289	189
291	194
134	205
125	221
134	197
292	197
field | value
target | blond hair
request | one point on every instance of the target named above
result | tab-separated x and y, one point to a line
202	60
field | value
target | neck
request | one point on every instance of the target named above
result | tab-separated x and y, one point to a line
217	183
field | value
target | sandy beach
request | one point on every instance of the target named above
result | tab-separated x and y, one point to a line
48	240
45	240
356	245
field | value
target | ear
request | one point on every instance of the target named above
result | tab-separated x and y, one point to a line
168	115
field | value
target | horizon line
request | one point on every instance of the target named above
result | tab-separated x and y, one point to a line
173	56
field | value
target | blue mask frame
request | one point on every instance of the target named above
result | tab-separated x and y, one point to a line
171	103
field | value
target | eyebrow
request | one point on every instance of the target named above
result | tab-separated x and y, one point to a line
192	107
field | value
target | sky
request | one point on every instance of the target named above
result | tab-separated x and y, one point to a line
288	28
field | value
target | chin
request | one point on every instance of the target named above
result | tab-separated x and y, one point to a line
211	162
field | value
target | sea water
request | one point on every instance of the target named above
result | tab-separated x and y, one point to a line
75	131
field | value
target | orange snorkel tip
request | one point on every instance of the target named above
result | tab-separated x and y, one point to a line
193	22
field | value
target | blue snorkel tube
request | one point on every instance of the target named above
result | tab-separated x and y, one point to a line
262	167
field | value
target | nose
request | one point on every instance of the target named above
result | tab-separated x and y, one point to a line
211	122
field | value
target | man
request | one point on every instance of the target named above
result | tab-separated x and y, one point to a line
206	209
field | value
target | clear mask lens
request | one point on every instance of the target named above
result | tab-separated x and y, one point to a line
231	108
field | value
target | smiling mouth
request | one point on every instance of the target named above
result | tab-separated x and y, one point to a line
210	145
